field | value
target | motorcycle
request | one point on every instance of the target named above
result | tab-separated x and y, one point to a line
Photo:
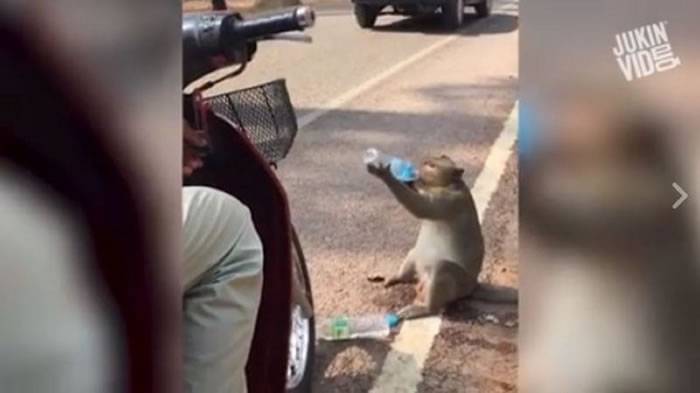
250	131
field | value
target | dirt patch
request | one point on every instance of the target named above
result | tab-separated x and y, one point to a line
348	366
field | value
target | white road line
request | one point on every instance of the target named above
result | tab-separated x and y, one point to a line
370	83
402	370
487	181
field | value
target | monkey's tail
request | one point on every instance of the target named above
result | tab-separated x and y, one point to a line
495	293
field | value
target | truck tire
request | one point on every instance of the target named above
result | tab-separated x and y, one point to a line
366	15
483	9
452	14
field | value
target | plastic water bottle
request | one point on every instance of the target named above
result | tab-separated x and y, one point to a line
402	170
347	328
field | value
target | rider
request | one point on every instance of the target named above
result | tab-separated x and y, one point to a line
222	282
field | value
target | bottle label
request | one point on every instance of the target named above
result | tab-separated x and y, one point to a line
403	170
340	328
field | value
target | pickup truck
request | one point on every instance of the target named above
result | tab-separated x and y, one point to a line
451	11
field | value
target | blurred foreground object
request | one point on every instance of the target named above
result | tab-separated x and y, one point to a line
90	227
55	333
611	270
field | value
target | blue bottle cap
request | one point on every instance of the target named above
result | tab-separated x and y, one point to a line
392	320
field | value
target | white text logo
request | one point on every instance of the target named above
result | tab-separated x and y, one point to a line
644	51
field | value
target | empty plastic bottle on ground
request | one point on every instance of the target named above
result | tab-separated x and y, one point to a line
366	326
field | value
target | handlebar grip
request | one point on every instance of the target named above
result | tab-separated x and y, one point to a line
263	25
209	34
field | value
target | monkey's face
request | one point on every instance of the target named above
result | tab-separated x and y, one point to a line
439	171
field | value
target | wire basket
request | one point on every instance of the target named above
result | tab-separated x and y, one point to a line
264	113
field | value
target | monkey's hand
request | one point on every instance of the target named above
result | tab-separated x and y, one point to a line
380	170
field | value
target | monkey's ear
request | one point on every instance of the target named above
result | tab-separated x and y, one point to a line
458	172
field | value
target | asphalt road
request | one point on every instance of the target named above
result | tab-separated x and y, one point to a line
410	89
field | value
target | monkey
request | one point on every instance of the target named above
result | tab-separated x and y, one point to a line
448	255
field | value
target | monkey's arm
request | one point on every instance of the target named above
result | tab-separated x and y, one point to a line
428	207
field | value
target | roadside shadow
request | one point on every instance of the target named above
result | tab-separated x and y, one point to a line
483	313
485	339
497	23
463	310
349	366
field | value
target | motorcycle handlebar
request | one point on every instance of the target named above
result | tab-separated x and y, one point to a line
211	34
215	33
264	25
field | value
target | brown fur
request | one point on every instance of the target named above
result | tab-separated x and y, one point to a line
444	204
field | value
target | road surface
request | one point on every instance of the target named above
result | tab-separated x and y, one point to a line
410	89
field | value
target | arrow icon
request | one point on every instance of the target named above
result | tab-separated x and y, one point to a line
683	197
